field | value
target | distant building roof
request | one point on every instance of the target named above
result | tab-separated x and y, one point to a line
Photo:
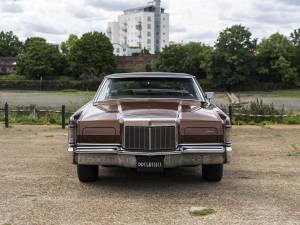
149	8
8	61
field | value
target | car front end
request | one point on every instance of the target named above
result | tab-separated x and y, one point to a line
150	134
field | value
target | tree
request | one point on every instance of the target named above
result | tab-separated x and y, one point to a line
295	39
69	44
275	56
39	59
92	55
234	58
193	58
171	59
199	59
10	45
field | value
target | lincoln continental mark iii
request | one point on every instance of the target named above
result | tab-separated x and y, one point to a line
149	122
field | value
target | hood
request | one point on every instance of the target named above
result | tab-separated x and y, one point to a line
149	109
103	122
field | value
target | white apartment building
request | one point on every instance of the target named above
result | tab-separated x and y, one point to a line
141	28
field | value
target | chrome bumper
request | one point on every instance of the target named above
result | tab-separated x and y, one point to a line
184	155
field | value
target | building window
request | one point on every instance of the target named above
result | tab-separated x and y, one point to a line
149	26
149	18
164	33
149	41
149	34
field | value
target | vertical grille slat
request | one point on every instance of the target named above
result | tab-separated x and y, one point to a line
150	139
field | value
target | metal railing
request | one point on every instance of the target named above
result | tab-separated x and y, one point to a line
6	111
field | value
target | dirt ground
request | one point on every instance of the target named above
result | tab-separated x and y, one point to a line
39	185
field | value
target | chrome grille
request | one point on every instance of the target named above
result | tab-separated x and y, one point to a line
157	138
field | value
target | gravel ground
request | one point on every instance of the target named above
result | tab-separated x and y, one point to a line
38	185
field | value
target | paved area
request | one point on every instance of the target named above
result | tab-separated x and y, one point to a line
39	186
46	99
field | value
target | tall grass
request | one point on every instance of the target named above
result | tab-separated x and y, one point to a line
269	114
31	119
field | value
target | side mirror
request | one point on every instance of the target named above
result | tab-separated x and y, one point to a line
210	95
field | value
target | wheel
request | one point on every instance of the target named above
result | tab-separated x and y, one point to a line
213	173
87	173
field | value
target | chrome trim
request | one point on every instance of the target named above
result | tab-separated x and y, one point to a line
186	155
149	122
181	149
129	161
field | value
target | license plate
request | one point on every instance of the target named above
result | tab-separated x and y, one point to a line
150	163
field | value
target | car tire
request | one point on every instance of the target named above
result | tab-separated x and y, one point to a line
212	173
87	173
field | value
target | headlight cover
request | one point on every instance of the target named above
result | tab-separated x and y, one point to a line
227	132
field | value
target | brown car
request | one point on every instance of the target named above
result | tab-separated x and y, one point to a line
150	121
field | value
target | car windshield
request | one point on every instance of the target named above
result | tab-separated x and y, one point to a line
149	87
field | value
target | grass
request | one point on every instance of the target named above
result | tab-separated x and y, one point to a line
270	115
12	77
290	120
296	150
202	212
47	119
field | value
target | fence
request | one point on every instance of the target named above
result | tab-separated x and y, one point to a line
63	113
36	112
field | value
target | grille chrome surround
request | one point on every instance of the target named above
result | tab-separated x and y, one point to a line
150	138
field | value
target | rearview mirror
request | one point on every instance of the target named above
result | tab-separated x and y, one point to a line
209	95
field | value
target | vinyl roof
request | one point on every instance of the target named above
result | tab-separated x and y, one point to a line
150	74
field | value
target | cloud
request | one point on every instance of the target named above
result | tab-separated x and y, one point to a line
206	35
177	29
40	28
11	7
115	5
291	2
189	19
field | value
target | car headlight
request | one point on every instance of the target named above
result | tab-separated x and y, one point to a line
72	132
227	132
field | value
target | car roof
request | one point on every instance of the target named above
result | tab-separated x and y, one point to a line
150	74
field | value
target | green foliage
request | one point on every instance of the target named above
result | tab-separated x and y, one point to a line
48	118
234	58
12	77
295	37
92	55
193	58
258	107
39	59
275	56
10	45
69	44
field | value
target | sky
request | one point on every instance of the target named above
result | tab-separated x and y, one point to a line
190	20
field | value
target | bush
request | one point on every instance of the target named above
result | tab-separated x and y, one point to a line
258	107
267	111
30	119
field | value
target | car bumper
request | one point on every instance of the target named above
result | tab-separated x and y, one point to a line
184	155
